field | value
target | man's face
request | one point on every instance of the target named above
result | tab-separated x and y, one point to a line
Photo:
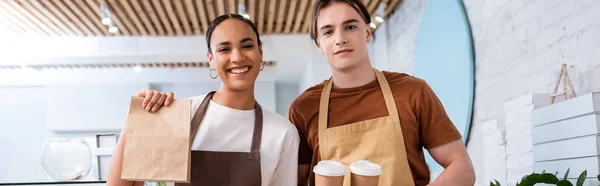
342	36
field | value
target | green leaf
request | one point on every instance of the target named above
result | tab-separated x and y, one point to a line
567	174
598	177
535	178
564	183
548	178
581	178
494	184
527	182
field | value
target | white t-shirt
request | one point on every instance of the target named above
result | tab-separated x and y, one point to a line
229	130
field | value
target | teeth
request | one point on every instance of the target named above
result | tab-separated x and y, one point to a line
239	70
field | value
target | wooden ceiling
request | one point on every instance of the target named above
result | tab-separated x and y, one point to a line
155	17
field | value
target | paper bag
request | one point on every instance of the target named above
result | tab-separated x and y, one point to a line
157	145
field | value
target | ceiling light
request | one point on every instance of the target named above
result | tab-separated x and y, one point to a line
242	11
137	69
379	19
113	29
373	25
106	21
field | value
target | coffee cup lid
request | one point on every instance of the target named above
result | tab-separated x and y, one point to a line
365	168
330	168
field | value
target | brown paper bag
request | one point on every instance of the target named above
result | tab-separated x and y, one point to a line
157	145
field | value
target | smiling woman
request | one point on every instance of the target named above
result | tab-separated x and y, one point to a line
239	143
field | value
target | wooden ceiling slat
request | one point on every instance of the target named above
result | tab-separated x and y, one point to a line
62	17
17	18
95	5
183	17
143	16
308	17
272	6
252	10
391	7
50	16
155	21
210	8
32	18
134	17
159	17
83	18
43	18
300	15
95	18
290	18
220	7
201	12
73	19
11	25
193	18
122	17
373	6
163	17
281	16
232	7
172	17
261	16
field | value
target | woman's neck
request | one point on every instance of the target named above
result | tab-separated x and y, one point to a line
240	100
359	75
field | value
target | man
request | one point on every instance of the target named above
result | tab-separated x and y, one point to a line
361	113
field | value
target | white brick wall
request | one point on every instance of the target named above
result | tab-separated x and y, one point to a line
519	47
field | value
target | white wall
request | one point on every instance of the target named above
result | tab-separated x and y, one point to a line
519	47
316	70
285	94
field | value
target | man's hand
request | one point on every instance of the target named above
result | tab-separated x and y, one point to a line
154	100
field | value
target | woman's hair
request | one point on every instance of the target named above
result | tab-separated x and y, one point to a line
320	4
224	17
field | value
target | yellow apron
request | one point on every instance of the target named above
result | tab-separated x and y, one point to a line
378	140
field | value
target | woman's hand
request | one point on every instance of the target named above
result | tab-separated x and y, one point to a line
154	100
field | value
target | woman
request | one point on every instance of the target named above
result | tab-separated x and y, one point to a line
229	122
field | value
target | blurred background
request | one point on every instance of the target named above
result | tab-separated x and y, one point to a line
68	69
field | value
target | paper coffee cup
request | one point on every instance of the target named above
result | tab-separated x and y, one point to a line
365	173
329	173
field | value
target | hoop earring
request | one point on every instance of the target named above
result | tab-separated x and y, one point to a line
211	72
262	65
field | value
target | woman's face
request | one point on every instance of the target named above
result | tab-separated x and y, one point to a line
236	54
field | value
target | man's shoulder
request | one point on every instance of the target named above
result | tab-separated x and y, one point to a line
397	78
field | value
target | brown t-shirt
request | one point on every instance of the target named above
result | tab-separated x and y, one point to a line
423	119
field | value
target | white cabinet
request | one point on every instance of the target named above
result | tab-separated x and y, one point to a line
566	135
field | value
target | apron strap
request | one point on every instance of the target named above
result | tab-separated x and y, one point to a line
324	104
323	112
199	115
390	103
258	122
258	125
